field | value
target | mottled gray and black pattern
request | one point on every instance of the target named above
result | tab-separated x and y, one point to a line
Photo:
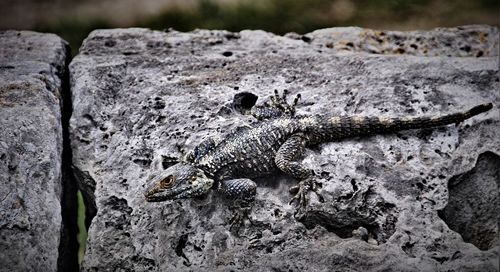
276	142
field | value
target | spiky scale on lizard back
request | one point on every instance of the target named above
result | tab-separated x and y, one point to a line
276	142
249	152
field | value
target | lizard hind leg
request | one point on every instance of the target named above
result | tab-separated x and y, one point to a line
286	157
277	107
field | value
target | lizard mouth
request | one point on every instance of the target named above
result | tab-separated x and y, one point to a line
157	195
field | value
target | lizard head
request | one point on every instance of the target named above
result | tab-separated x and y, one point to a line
178	181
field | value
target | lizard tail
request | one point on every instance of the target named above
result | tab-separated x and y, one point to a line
428	122
357	126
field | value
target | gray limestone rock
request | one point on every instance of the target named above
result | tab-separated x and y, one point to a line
144	98
31	69
467	41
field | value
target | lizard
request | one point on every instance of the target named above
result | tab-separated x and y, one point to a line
276	142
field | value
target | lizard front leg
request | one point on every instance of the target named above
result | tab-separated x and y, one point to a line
241	194
285	159
200	150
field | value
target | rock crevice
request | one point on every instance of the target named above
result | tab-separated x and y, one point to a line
473	202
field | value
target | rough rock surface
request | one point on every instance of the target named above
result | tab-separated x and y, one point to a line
143	98
31	69
468	41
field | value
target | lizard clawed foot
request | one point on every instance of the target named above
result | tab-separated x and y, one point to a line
280	103
301	190
238	219
276	107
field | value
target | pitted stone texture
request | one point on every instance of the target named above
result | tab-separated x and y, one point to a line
143	98
465	41
31	67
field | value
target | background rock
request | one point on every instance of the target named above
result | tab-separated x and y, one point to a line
469	41
31	70
143	98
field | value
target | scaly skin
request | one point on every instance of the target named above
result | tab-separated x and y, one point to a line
277	142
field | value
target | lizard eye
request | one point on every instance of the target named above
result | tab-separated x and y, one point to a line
193	178
166	182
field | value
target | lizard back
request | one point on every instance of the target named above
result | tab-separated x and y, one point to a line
249	152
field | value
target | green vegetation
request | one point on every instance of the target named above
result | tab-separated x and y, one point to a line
278	16
82	231
74	31
301	16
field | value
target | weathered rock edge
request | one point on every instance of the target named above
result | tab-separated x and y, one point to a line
36	233
142	98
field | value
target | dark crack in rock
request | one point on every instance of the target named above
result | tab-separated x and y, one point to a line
143	103
472	209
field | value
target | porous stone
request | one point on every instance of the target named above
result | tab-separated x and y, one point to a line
31	69
467	41
144	98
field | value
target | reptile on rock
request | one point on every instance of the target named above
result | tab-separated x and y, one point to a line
276	142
